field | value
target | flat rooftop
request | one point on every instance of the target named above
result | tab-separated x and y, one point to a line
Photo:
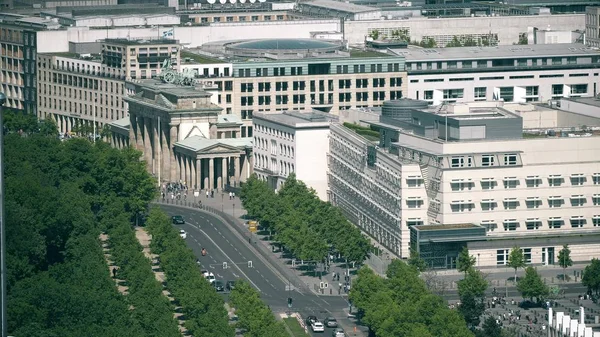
193	58
499	52
593	101
296	119
171	89
132	42
445	227
472	111
341	6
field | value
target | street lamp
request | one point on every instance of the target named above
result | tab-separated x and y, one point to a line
2	225
222	200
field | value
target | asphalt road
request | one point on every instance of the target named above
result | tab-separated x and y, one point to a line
223	246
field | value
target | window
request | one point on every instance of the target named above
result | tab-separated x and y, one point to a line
555	180
577	179
527	255
555	201
487	160
507	94
461	162
501	257
428	95
533	224
488	184
453	94
579	89
596	220
414	202
578	200
557	90
511	203
532	90
533	181
461	206
510	182
488	204
596	178
555	222
510	225
577	221
510	159
480	93
461	184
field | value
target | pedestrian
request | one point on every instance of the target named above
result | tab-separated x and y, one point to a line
233	195
230	195
207	194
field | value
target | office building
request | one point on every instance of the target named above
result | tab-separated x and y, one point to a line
292	142
276	75
519	73
82	89
470	174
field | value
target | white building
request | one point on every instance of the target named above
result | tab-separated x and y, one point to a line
470	174
292	142
520	73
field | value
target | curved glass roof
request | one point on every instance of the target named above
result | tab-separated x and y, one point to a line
285	44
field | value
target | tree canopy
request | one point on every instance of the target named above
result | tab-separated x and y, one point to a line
471	290
516	259
59	197
564	259
303	223
254	316
401	306
532	286
591	276
465	260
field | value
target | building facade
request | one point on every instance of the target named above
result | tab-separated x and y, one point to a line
469	166
183	137
80	90
536	73
18	49
292	142
592	26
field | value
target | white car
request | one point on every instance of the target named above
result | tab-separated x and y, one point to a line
210	277
183	234
317	327
338	333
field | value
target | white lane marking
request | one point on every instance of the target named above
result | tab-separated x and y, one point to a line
235	275
227	256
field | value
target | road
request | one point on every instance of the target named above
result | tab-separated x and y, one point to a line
204	230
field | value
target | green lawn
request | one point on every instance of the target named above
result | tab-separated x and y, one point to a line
294	327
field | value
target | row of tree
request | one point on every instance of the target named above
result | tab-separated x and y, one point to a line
255	318
57	195
401	305
203	308
304	224
150	307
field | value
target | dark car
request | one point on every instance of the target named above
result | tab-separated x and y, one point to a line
527	304
311	319
230	285
178	220
331	322
218	284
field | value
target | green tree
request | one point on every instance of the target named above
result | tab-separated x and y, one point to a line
416	261
465	261
374	34
471	291
516	259
455	42
532	286
428	43
254	316
591	276
564	260
490	328
523	38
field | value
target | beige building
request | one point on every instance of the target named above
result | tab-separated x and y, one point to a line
83	89
183	137
139	59
276	75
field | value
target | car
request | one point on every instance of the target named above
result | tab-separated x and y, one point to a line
218	284
331	322
338	333
317	327
178	220
210	277
311	319
230	285
204	272
183	234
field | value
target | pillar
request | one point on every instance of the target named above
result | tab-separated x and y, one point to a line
198	182
139	141
211	174
167	152
172	141
225	172
205	174
147	143
186	164
156	148
236	170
